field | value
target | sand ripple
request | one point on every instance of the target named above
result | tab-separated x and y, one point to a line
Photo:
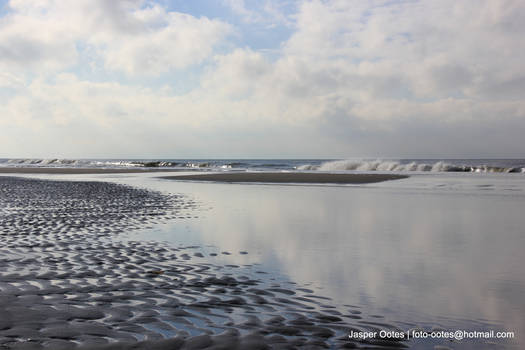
65	284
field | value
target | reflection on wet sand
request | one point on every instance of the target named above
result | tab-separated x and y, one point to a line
451	260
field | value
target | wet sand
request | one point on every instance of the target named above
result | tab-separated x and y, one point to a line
72	171
66	282
292	177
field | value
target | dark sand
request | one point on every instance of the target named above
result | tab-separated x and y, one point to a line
67	283
311	178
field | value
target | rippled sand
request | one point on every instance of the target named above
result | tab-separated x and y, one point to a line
65	282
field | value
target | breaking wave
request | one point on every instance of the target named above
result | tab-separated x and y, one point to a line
55	162
184	164
401	165
398	166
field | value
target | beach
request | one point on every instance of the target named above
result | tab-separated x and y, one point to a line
104	259
230	175
66	283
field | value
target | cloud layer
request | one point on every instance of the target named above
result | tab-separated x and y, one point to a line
348	78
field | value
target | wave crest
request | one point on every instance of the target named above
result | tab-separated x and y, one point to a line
389	165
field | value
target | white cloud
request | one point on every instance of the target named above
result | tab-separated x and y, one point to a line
166	41
238	7
367	73
267	12
354	79
135	37
443	48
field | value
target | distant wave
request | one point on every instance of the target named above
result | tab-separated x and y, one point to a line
384	165
191	164
42	162
55	162
467	166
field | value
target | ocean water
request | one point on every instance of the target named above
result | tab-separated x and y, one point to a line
328	165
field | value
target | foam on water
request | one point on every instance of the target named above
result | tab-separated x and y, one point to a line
400	166
363	165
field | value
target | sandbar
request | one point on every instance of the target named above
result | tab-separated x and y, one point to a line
289	177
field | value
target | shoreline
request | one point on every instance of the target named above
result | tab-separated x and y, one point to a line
80	171
292	177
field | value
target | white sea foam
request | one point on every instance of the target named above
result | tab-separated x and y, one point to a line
397	166
470	166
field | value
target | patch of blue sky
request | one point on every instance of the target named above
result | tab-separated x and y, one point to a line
4	8
199	8
257	28
265	39
6	93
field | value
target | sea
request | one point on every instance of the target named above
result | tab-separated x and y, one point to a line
327	165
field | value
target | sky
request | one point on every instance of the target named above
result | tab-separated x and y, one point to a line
262	79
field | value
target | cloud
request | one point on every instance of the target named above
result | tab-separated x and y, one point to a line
374	74
163	41
268	12
355	78
442	48
135	37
